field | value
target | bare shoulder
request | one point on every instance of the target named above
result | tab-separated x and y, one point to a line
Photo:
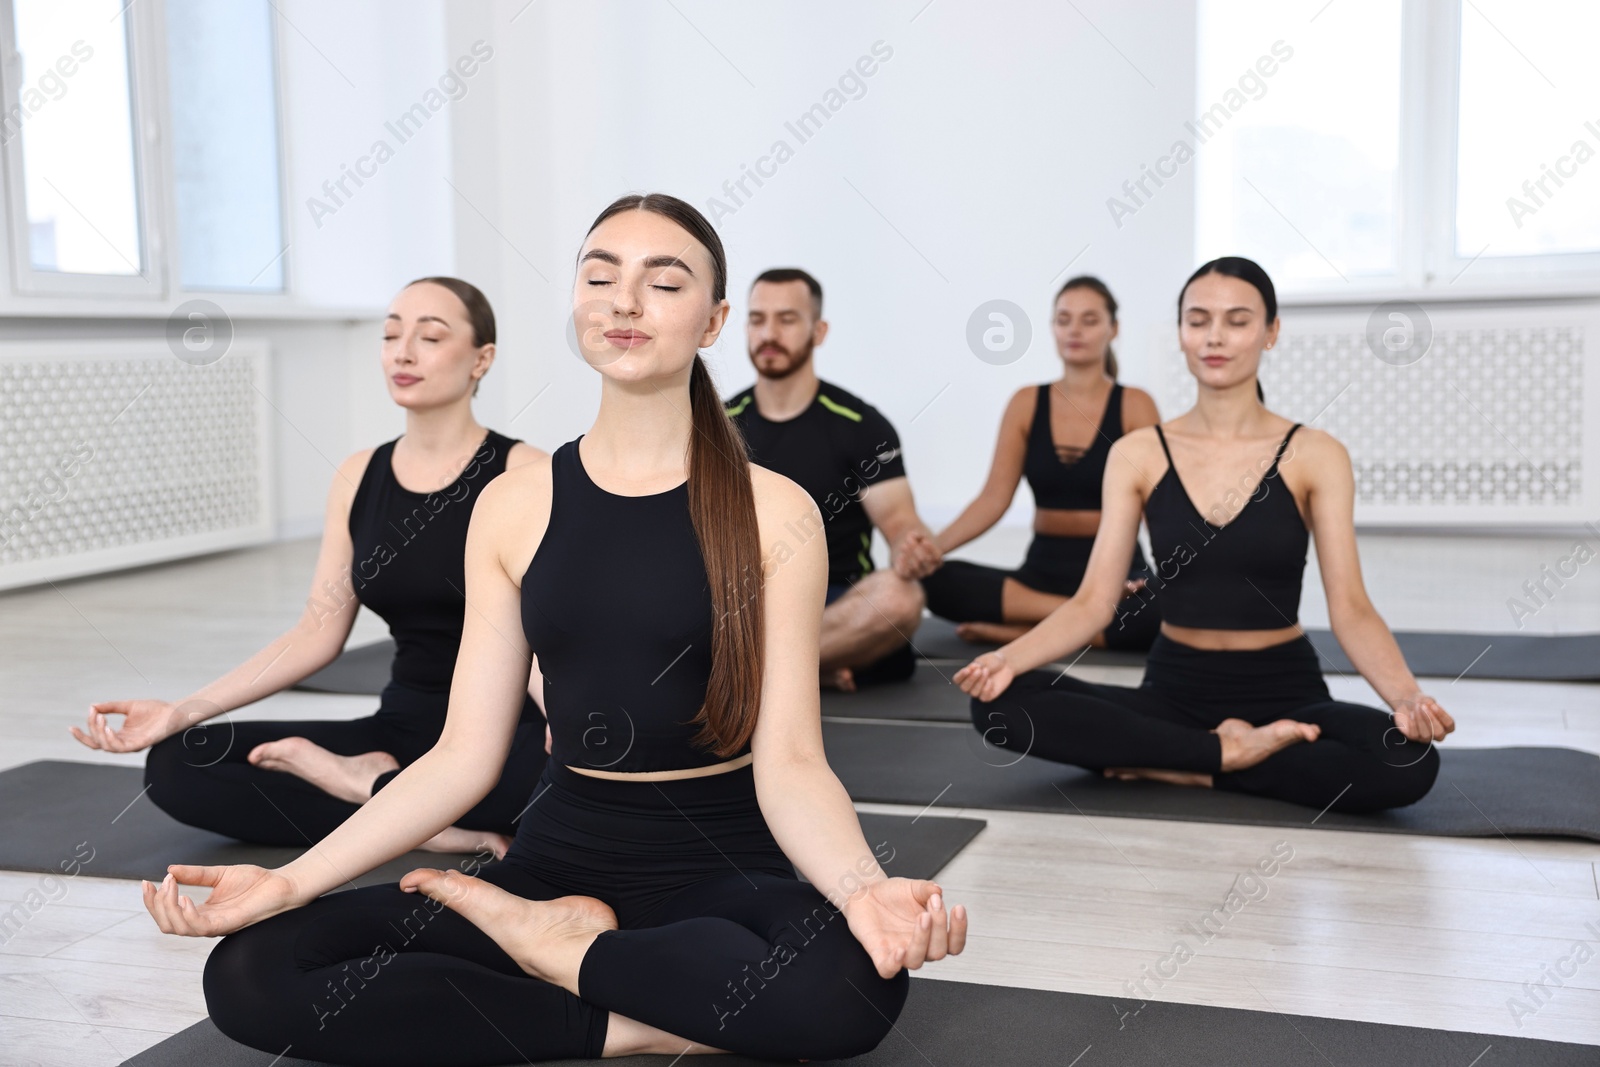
349	474
1138	407
1139	451
522	453
512	513
1318	450
781	504
1314	458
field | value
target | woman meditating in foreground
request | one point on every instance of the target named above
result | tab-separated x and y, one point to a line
649	901
1233	697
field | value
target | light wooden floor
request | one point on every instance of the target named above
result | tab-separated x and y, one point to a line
1436	932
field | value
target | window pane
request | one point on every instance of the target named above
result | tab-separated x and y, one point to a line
1296	153
76	125
225	144
1527	180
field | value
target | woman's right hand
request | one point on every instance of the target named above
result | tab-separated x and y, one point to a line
241	894
144	722
985	677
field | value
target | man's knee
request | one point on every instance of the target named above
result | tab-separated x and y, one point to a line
897	601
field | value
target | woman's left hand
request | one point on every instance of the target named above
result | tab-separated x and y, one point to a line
902	922
1420	718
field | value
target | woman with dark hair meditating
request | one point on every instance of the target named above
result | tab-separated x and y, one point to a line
1233	697
1087	404
394	533
650	901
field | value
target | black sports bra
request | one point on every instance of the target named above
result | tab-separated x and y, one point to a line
408	559
617	606
1242	576
1075	485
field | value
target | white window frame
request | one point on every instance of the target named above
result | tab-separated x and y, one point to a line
148	170
1427	266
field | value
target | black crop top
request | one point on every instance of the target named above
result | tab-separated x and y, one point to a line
1076	484
617	606
1242	576
408	563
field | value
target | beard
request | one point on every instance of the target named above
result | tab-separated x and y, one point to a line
783	362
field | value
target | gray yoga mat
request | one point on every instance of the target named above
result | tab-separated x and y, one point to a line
959	1023
49	808
927	696
1516	657
1480	792
359	669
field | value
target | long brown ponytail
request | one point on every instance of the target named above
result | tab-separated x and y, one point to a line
723	508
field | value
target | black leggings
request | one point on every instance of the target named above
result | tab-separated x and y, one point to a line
202	776
719	942
1360	758
971	592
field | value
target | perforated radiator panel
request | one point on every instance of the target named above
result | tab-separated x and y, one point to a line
1496	423
117	453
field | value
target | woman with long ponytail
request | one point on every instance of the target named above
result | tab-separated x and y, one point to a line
653	876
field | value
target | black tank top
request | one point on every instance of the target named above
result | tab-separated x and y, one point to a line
1242	576
408	564
1075	485
617	606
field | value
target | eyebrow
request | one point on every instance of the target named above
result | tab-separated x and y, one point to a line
650	261
420	318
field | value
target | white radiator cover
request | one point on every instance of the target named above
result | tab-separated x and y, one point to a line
117	453
1498	424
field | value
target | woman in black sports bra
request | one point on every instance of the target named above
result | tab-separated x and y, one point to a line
393	539
1233	697
650	901
996	605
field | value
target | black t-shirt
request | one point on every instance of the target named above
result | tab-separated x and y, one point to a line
834	449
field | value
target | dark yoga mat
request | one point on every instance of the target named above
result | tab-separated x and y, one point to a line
959	1023
1516	657
927	696
359	669
1480	792
48	808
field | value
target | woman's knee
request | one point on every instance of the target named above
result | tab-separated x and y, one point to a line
170	778
244	982
1406	783
860	1004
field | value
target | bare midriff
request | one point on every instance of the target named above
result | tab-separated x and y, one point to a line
1230	640
667	776
1065	522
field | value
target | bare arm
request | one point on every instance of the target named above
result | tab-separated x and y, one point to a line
808	811
309	645
1005	474
1091	609
492	674
899	921
1360	630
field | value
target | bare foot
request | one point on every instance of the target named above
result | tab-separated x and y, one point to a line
546	938
456	839
842	678
1192	778
349	778
991	633
1244	745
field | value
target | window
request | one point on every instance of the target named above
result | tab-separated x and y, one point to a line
1528	182
221	86
1300	165
1449	147
68	132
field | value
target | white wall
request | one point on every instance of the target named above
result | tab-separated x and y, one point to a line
975	165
